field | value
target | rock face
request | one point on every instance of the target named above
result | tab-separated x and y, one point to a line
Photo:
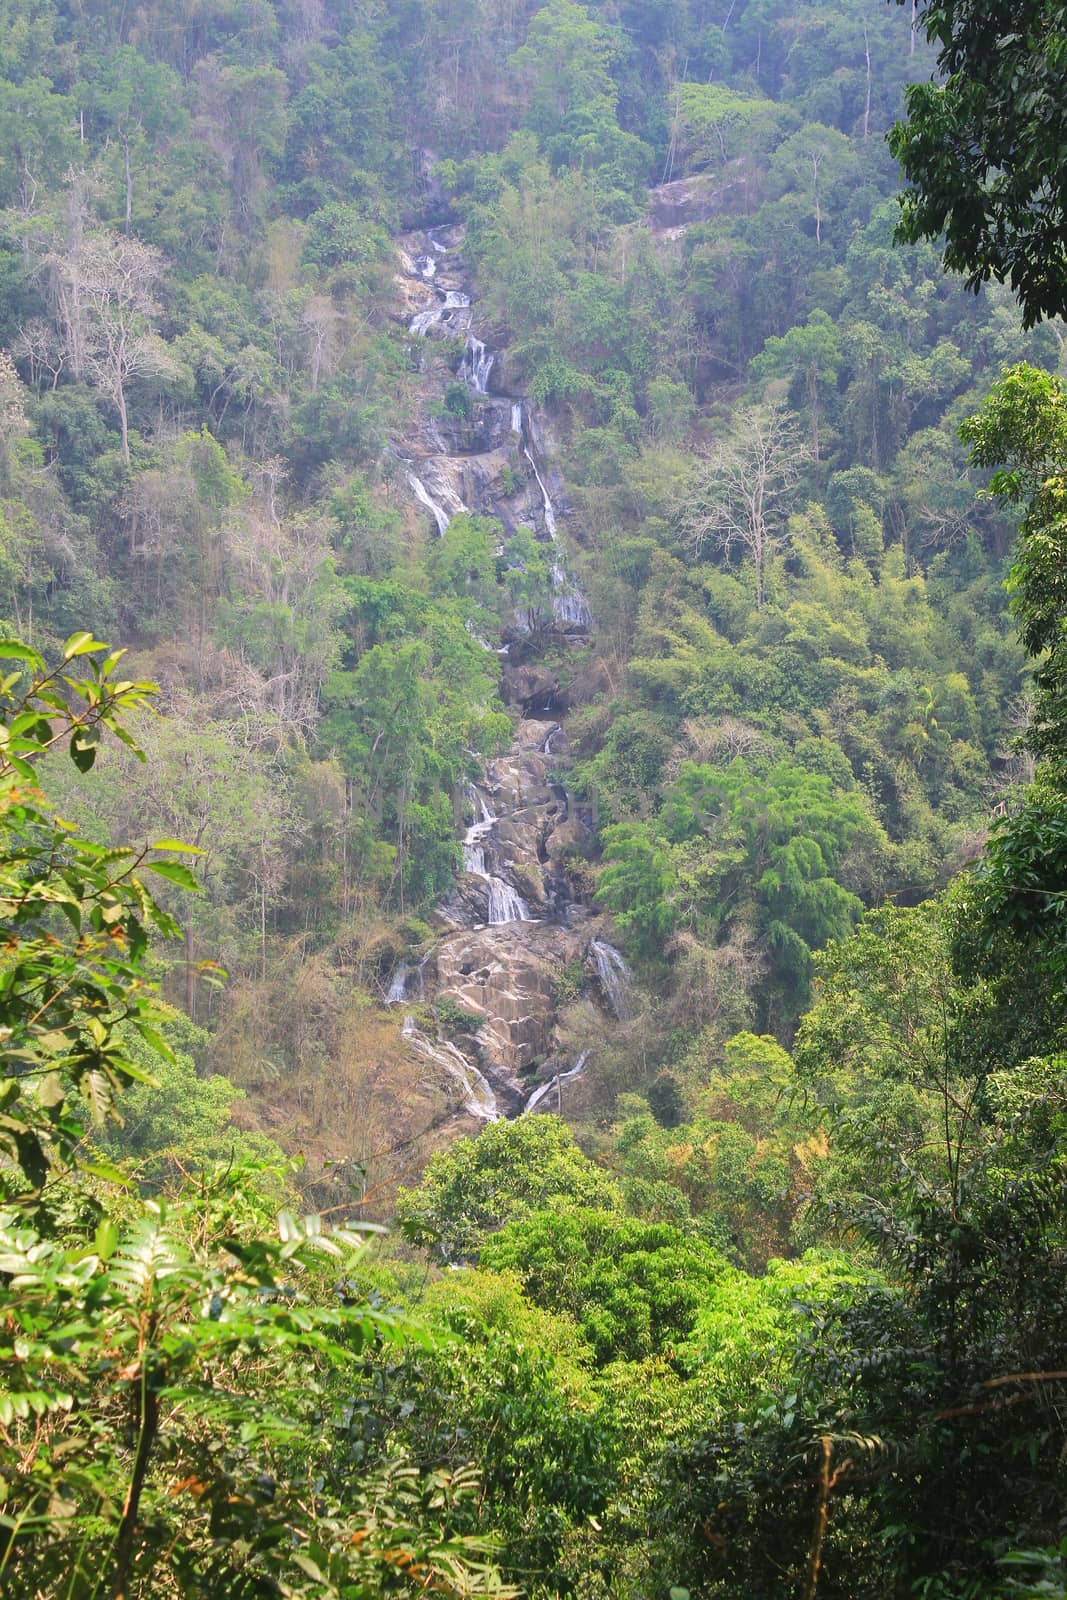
512	922
508	976
673	207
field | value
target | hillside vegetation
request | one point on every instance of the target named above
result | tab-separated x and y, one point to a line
764	1296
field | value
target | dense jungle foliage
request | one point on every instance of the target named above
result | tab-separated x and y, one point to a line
779	1309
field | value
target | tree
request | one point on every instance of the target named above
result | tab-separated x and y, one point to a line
174	1364
138	1338
102	292
740	496
810	353
137	100
68	1005
714	123
637	883
794	827
511	1170
634	1287
1022	430
981	149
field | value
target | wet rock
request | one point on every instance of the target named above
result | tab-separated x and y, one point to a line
486	428
468	903
508	976
570	837
536	735
534	688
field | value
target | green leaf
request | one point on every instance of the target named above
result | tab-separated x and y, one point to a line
174	872
52	1091
14	649
156	1040
315	1572
176	844
80	644
82	753
23	768
106	1173
107	1237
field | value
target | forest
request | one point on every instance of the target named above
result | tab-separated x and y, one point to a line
533	795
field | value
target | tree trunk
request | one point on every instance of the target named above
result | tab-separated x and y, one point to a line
148	1426
129	182
124	423
190	975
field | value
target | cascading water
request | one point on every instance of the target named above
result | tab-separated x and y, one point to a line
477	365
473	849
423	495
555	1083
478	1096
505	902
550	511
614	976
503	969
406	984
452	301
569	604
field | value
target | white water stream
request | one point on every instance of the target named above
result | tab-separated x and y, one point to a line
614	976
488	851
477	365
478	1096
505	903
423	495
555	1083
454	300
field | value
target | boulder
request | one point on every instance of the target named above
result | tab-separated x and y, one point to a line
508	975
533	688
569	837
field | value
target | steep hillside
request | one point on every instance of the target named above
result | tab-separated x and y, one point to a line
322	321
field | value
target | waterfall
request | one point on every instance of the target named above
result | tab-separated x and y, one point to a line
550	510
454	300
506	904
421	493
406	983
477	365
560	1079
478	1097
614	976
479	639
483	957
569	604
473	849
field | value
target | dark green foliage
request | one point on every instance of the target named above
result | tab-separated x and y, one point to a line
76	919
981	149
665	1100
